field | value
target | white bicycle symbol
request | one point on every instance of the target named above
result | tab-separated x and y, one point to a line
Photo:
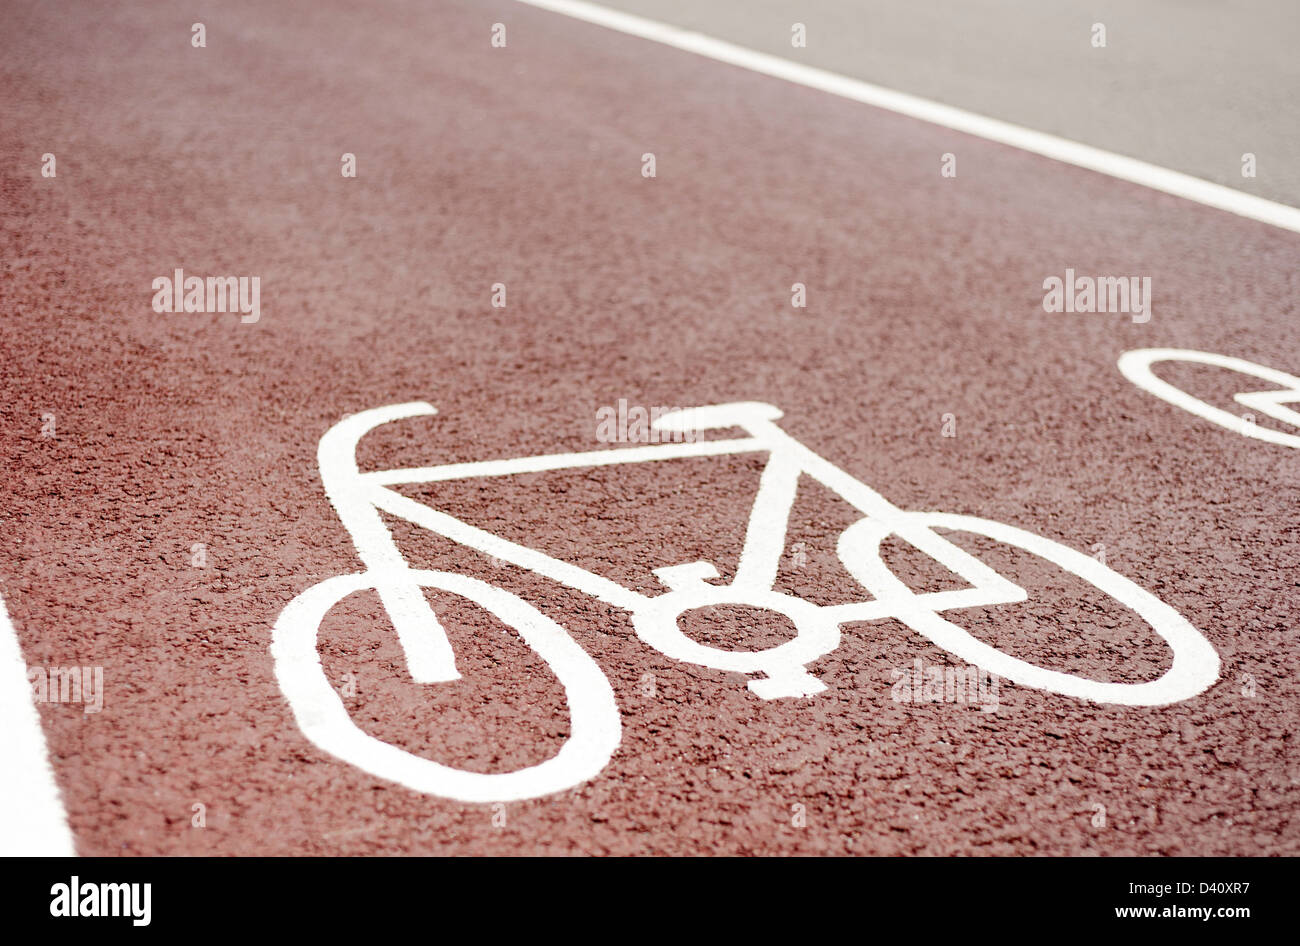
776	672
1136	366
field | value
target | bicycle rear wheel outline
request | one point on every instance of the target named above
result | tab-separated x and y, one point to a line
596	728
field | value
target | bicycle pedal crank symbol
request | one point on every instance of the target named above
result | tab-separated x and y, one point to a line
657	623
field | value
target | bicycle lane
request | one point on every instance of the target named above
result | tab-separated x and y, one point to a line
176	509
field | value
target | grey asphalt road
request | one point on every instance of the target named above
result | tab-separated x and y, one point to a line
1190	85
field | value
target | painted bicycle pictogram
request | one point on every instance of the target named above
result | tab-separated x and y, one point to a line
777	672
1136	366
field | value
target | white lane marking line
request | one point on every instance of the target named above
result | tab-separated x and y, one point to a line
1136	366
1049	146
32	820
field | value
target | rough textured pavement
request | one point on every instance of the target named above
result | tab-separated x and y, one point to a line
523	166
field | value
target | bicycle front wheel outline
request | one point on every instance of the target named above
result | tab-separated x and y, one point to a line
596	729
1195	666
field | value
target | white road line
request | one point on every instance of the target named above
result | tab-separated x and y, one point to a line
1050	146
32	820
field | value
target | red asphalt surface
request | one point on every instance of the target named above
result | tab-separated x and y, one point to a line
522	166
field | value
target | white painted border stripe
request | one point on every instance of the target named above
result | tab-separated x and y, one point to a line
1050	146
32	820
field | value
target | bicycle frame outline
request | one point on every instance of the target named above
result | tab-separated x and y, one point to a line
359	497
